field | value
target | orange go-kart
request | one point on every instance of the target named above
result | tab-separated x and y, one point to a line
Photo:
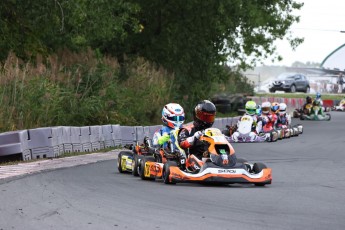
218	166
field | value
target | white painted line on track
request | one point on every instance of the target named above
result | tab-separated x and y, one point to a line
19	169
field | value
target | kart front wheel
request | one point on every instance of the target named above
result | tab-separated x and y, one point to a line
135	164
258	167
119	160
166	171
141	170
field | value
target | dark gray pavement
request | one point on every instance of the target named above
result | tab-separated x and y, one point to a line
307	192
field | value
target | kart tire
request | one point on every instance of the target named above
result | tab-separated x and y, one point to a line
135	164
119	159
257	168
329	116
166	171
141	170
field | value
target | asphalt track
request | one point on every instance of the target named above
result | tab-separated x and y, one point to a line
308	192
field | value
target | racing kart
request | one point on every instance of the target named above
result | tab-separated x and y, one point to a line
316	115
217	166
298	112
128	160
285	131
340	107
242	132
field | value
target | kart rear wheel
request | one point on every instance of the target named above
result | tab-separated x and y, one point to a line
135	164
119	159
141	169
166	171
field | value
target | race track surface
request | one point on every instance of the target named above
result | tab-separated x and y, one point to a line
307	192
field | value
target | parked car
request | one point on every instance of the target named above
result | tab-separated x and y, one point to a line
290	82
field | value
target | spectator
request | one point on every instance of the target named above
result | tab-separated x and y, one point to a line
340	82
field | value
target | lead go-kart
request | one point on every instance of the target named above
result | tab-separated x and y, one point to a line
316	115
217	165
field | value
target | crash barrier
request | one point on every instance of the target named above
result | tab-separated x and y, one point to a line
51	142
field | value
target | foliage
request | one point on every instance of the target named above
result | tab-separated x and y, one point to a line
189	45
86	92
193	39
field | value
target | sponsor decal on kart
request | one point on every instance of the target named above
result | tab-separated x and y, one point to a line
226	171
152	169
129	163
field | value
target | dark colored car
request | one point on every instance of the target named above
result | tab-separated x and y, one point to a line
290	82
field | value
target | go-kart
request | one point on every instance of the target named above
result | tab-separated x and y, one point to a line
217	167
287	131
340	107
128	160
306	111
242	132
316	115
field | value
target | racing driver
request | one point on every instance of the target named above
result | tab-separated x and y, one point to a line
188	139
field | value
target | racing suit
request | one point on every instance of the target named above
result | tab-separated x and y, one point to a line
256	129
268	122
283	121
196	148
161	137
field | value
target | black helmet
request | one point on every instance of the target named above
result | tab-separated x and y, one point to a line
309	100
204	114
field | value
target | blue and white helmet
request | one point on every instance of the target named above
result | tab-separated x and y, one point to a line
318	95
173	115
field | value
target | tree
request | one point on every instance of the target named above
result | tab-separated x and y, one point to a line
193	39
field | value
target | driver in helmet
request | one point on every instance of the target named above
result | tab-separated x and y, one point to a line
317	104
251	110
283	119
203	117
269	117
307	106
173	117
318	97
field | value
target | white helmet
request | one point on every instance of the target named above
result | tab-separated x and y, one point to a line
282	108
173	115
266	107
